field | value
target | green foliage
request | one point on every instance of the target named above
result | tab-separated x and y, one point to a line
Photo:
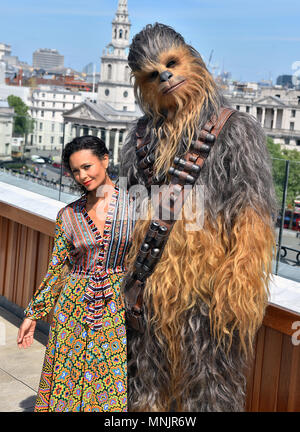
23	123
279	157
14	165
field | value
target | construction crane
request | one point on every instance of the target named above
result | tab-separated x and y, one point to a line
213	68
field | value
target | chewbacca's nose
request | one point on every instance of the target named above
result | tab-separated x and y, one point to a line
165	76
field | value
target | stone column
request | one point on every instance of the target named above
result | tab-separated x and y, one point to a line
116	148
275	118
263	117
107	136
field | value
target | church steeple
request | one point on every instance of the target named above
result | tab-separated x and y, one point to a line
121	26
115	87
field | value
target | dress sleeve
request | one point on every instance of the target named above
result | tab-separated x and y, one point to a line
47	293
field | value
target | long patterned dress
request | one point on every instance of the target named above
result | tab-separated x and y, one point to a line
85	365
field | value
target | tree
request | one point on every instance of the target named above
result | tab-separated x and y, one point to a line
23	123
279	157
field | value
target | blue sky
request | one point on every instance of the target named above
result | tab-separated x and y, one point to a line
254	40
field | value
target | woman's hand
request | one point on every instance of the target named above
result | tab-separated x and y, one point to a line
26	332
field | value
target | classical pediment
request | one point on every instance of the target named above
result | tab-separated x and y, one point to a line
85	111
270	100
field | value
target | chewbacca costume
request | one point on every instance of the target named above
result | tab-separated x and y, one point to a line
206	297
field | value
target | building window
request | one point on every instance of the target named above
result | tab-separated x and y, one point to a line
278	95
247	109
127	73
41	126
42	113
298	142
64	105
292	125
40	139
293	113
124	108
52	127
43	94
61	140
125	94
53	114
286	141
109	71
54	96
52	140
106	92
43	103
238	107
121	34
64	96
53	104
73	97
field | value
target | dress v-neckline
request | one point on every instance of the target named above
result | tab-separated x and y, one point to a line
108	219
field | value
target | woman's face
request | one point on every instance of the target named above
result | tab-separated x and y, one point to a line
88	170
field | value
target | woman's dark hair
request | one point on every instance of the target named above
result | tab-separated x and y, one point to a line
86	142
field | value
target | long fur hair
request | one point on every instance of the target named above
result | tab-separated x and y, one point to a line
207	295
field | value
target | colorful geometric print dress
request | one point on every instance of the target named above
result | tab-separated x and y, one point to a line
85	365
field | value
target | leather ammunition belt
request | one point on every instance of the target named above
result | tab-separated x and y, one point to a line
184	171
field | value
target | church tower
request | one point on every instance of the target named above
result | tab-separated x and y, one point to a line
114	87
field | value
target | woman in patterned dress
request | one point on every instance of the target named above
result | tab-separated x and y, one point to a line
85	365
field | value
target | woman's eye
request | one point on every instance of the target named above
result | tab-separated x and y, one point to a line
171	63
153	75
87	166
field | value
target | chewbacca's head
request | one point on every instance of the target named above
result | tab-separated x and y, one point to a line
169	74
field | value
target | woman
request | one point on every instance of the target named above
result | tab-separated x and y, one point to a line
85	361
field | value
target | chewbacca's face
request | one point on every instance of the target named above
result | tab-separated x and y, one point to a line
169	81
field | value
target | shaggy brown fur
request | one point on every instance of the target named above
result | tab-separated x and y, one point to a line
235	294
207	296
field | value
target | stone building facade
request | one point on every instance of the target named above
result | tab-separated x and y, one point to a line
6	129
277	109
47	59
47	107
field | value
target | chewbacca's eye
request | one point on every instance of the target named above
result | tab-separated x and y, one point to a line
171	63
153	75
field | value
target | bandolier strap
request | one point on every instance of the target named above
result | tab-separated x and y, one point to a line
184	171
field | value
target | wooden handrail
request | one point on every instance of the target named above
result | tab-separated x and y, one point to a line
30	220
280	319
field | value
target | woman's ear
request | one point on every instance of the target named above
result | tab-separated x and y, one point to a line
106	161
